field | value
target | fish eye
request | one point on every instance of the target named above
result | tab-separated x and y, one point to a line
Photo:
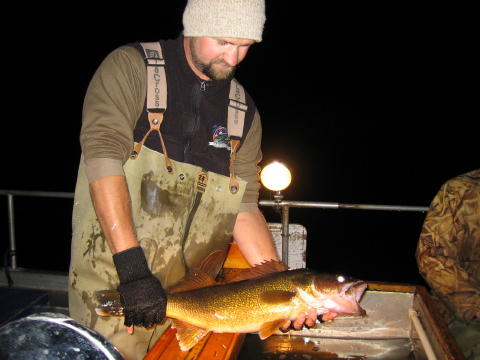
340	278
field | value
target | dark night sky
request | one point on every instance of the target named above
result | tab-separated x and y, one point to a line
371	102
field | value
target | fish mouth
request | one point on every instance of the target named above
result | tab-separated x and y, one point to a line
355	291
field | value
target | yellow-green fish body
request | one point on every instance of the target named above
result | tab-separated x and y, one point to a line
242	306
261	304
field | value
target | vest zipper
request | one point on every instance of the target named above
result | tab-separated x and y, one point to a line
196	100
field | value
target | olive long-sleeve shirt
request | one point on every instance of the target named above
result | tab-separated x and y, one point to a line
113	104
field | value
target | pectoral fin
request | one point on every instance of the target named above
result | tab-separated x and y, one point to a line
188	335
270	327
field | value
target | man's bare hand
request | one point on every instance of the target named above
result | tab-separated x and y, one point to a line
303	319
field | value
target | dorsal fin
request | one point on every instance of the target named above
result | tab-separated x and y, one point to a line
195	279
188	335
266	268
203	275
213	263
270	327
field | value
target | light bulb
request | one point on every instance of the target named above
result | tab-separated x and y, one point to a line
275	176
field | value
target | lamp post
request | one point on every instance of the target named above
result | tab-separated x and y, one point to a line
276	177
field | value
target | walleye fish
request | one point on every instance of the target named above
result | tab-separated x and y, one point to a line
260	299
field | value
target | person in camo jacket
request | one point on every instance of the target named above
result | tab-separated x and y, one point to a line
448	257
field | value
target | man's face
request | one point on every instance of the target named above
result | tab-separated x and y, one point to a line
216	58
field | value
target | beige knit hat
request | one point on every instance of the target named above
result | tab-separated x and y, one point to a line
241	19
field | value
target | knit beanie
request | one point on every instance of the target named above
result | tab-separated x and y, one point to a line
241	19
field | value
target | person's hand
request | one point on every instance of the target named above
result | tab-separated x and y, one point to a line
141	294
307	320
478	315
144	302
303	319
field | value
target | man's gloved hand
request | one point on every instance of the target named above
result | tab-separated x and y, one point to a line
141	293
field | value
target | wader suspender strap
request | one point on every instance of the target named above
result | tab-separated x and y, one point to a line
237	108
156	96
157	105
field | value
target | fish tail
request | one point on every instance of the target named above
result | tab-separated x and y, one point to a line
108	303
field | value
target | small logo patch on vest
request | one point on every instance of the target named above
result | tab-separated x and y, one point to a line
220	137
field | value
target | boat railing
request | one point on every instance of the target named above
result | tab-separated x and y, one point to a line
281	205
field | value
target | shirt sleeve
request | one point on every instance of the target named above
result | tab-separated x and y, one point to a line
246	164
113	103
448	252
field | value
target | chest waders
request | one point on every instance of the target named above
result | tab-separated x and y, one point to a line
181	212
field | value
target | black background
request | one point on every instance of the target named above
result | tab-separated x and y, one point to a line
369	102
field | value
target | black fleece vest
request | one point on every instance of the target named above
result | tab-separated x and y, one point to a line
195	110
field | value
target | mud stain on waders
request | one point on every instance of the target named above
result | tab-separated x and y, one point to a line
96	237
87	299
226	223
74	280
153	198
154	253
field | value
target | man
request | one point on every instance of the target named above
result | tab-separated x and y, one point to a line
448	257
155	194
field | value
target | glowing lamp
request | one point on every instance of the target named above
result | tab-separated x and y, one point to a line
275	176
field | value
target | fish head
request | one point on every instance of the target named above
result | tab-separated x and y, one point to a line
338	294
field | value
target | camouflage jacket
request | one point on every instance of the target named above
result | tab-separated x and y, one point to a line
448	253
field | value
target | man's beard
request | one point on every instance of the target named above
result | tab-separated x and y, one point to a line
209	68
216	73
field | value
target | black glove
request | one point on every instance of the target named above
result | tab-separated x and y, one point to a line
141	294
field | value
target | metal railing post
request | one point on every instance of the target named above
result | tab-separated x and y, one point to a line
285	233
11	225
